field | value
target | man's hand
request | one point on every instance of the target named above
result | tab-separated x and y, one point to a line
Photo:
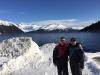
81	69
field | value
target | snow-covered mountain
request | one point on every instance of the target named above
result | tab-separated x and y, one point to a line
6	23
28	27
95	27
51	27
9	27
35	28
22	56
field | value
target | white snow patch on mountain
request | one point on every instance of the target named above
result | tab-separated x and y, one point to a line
53	27
30	59
28	27
6	23
78	28
49	27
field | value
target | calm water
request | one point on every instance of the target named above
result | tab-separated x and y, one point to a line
91	41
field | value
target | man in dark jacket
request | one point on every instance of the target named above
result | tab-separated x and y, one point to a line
60	57
76	56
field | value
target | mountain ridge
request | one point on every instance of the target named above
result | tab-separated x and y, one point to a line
8	27
95	27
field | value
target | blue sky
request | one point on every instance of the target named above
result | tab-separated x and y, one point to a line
41	10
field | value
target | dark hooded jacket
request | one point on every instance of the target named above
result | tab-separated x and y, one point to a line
76	55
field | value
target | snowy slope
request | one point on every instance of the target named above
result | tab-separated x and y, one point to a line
51	27
78	28
6	23
9	27
28	27
33	60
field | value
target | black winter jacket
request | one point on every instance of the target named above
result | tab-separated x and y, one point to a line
77	56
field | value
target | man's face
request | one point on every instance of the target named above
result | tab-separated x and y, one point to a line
73	42
62	41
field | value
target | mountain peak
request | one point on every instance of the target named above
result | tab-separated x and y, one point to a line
53	27
9	27
6	23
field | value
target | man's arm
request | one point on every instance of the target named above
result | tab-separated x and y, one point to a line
55	56
81	55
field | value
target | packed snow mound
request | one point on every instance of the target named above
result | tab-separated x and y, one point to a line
47	49
28	53
14	47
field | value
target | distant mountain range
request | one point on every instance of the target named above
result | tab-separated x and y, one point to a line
10	27
53	28
95	27
43	28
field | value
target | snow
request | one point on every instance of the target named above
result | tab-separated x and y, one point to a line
31	59
6	23
48	27
26	59
28	27
53	27
79	28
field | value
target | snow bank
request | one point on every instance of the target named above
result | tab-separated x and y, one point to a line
14	47
28	53
92	66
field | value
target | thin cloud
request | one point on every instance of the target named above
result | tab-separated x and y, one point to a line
45	22
67	22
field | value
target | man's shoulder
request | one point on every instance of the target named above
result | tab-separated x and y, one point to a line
56	46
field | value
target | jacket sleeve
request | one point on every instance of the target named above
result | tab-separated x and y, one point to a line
68	52
55	56
81	57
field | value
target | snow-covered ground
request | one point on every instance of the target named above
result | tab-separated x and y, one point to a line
22	56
